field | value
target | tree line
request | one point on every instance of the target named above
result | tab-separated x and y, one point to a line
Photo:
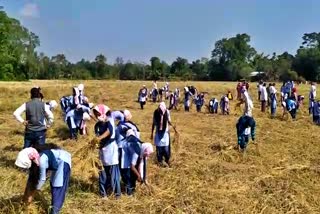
231	59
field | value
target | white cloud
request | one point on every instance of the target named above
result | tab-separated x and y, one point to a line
30	10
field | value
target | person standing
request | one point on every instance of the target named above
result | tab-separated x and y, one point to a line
312	97
161	122
143	93
38	119
264	98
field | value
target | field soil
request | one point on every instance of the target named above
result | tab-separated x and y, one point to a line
280	174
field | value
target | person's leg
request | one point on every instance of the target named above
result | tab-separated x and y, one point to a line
28	139
167	154
59	193
72	130
133	181
41	137
102	183
115	180
293	113
126	178
159	150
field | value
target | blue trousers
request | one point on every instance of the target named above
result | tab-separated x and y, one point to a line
293	113
33	137
163	151
243	141
128	181
273	112
59	193
109	179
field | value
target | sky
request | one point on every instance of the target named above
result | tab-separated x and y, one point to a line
137	30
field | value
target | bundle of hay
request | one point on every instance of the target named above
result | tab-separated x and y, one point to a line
86	161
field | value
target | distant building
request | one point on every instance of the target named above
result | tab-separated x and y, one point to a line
257	75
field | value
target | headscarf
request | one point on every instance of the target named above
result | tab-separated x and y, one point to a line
76	95
102	109
163	108
127	114
26	156
81	87
146	149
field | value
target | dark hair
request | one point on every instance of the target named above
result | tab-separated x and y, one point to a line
34	171
264	84
108	113
35	93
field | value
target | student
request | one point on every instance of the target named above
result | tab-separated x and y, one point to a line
245	128
187	97
38	117
199	102
121	132
39	160
246	99
75	122
172	101
143	93
263	98
109	154
238	88
134	161
224	105
161	122
312	97
154	95
316	112
213	106
268	93
273	104
229	95
139	165
260	86
291	107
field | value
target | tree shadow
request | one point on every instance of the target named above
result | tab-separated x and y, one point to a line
62	132
17	132
12	148
5	162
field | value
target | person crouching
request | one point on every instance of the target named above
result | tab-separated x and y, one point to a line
245	126
39	160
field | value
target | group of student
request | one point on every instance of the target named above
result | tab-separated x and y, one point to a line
122	153
76	111
290	100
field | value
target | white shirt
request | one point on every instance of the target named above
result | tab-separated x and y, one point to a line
264	94
19	111
273	90
248	107
260	88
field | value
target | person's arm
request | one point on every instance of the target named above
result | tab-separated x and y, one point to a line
253	130
49	115
104	135
18	112
133	167
152	129
43	171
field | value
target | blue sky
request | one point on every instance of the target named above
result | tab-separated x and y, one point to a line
139	29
